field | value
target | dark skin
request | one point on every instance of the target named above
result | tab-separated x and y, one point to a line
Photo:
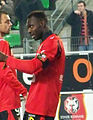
37	28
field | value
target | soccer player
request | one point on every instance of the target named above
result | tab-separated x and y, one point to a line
10	87
47	67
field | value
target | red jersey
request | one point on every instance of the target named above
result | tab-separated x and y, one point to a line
48	68
10	87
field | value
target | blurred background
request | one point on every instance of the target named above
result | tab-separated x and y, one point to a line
57	12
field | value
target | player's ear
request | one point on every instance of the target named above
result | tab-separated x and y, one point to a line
42	23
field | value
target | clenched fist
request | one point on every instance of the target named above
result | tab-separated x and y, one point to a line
3	57
77	12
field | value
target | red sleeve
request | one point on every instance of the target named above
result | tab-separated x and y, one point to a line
48	51
27	66
13	82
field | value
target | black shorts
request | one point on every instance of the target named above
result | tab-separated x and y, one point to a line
29	116
4	115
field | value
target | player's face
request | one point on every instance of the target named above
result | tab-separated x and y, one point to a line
81	7
5	24
35	28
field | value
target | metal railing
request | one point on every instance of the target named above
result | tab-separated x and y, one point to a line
78	43
60	12
70	44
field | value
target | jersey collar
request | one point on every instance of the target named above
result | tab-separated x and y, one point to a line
46	35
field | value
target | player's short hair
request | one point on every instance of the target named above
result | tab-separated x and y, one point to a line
2	12
39	15
81	1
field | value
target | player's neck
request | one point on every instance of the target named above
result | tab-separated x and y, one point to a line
45	30
1	35
46	33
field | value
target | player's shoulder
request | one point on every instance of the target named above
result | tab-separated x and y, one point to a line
3	41
52	38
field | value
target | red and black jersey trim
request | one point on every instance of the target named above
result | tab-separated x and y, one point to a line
59	50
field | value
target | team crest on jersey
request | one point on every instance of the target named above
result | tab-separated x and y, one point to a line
52	37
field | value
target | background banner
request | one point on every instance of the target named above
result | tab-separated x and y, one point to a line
78	73
75	107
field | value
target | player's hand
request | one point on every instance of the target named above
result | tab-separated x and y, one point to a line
3	57
77	12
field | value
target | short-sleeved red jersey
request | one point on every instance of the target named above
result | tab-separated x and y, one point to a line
48	68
